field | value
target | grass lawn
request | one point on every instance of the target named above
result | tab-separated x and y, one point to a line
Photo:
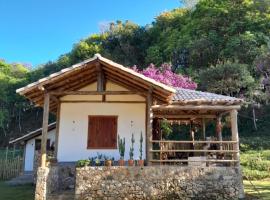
25	192
262	186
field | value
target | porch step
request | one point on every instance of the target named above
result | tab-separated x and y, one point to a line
26	178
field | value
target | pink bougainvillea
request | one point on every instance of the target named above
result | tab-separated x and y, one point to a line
165	75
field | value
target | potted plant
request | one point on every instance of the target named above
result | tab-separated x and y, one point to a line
98	160
141	161
108	161
83	163
121	148
131	152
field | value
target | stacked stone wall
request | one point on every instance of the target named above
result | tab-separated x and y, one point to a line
152	182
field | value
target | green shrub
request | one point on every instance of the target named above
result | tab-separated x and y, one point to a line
255	174
83	163
254	143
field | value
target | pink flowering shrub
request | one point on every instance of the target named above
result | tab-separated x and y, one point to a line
165	75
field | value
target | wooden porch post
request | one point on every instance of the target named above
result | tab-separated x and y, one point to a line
57	130
219	130
203	128
45	129
149	120
235	136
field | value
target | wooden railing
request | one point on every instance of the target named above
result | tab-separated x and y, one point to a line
224	148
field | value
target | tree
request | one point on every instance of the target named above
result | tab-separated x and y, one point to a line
12	76
228	78
262	64
126	43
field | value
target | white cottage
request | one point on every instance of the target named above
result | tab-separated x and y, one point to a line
96	100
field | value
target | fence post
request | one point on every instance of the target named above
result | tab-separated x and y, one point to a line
13	151
6	153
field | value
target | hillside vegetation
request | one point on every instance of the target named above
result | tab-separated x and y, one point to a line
222	45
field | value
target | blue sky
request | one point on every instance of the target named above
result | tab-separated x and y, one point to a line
36	31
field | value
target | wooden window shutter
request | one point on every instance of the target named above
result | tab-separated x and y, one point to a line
102	132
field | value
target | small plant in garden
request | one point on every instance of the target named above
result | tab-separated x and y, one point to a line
131	151
98	159
121	147
108	160
140	149
83	163
141	161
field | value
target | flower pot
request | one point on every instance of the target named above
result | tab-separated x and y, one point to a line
121	162
130	162
141	163
108	163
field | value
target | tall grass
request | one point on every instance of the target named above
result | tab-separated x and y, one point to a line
255	157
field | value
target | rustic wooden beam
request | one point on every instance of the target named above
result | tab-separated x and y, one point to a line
183	116
57	129
100	101
45	129
131	86
54	98
100	77
196	142
104	87
75	76
72	81
127	85
93	92
149	132
235	137
219	129
194	150
203	128
195	107
185	160
137	81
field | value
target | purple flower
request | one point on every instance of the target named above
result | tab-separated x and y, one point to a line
163	74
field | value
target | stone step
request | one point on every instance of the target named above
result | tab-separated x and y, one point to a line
21	180
64	195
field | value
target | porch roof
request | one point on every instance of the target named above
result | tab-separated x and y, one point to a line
186	96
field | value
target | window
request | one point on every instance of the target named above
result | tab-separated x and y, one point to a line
38	144
102	132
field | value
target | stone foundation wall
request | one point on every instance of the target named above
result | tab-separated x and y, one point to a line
53	179
158	182
47	182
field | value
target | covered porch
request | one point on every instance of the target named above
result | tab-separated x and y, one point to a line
196	122
196	136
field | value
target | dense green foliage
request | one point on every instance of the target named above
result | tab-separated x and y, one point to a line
221	44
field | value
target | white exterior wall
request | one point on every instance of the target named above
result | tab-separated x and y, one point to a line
30	150
73	127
